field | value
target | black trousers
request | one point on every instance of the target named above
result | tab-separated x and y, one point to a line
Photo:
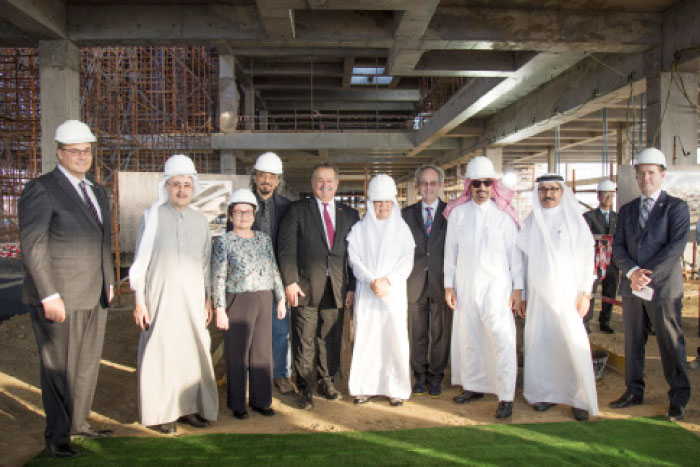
248	349
665	315
316	340
69	354
429	332
609	290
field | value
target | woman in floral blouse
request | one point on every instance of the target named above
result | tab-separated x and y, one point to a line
244	277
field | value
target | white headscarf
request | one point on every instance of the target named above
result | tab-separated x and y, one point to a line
380	242
176	165
535	240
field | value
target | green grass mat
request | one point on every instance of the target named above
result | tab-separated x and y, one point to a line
636	441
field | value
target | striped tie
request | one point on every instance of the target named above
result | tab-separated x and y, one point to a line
428	221
647	204
88	201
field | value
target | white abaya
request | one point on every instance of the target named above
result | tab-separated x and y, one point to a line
483	265
559	249
380	359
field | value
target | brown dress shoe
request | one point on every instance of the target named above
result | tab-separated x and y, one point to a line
284	385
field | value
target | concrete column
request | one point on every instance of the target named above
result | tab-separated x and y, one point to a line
263	120
59	77
624	146
672	119
228	94
627	188
249	108
552	161
410	191
495	154
228	162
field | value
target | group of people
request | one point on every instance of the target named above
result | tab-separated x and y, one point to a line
428	284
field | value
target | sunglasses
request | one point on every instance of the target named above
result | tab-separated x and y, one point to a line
478	183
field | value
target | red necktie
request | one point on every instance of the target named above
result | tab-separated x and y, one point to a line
329	226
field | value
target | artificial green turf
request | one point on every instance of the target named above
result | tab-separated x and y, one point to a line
636	441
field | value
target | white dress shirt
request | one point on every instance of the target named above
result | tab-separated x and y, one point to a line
434	207
331	213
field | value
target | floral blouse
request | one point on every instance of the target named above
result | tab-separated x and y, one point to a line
243	265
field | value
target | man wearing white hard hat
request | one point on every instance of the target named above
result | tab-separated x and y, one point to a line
170	279
65	236
483	284
602	222
264	182
650	239
559	251
245	283
380	252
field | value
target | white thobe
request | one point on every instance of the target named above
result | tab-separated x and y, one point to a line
175	373
380	359
558	363
483	265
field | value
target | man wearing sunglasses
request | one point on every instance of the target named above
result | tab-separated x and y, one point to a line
483	284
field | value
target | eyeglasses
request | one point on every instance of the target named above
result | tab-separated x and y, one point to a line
432	184
544	189
243	213
478	183
76	152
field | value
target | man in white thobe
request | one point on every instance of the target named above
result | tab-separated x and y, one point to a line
170	279
380	252
560	272
483	284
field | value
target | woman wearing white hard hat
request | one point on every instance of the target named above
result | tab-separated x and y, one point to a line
244	279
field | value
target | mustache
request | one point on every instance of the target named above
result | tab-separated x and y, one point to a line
549	199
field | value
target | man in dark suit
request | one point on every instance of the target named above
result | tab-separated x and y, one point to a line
265	180
312	254
429	318
65	238
650	239
602	221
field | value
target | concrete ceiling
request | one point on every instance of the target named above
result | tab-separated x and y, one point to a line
478	73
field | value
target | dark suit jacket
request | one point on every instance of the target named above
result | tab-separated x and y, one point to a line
281	205
658	247
304	256
596	222
65	251
429	253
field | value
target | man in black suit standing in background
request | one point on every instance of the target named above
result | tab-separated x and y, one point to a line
429	318
65	235
651	235
313	259
602	221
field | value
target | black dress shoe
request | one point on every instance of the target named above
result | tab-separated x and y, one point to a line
165	428
240	415
361	399
194	420
626	400
419	388
395	402
542	406
505	409
328	390
305	401
467	396
580	414
92	433
435	390
65	451
606	329
675	412
268	412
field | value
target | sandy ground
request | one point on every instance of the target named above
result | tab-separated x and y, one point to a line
115	405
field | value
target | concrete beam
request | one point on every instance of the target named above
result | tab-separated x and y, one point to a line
681	37
371	95
293	69
411	24
45	19
277	20
280	141
473	62
295	82
343	106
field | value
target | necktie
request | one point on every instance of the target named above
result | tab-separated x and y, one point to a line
428	221
88	201
647	204
329	226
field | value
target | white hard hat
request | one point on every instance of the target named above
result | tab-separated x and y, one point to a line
381	188
606	185
651	156
243	195
480	167
73	132
269	162
179	164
